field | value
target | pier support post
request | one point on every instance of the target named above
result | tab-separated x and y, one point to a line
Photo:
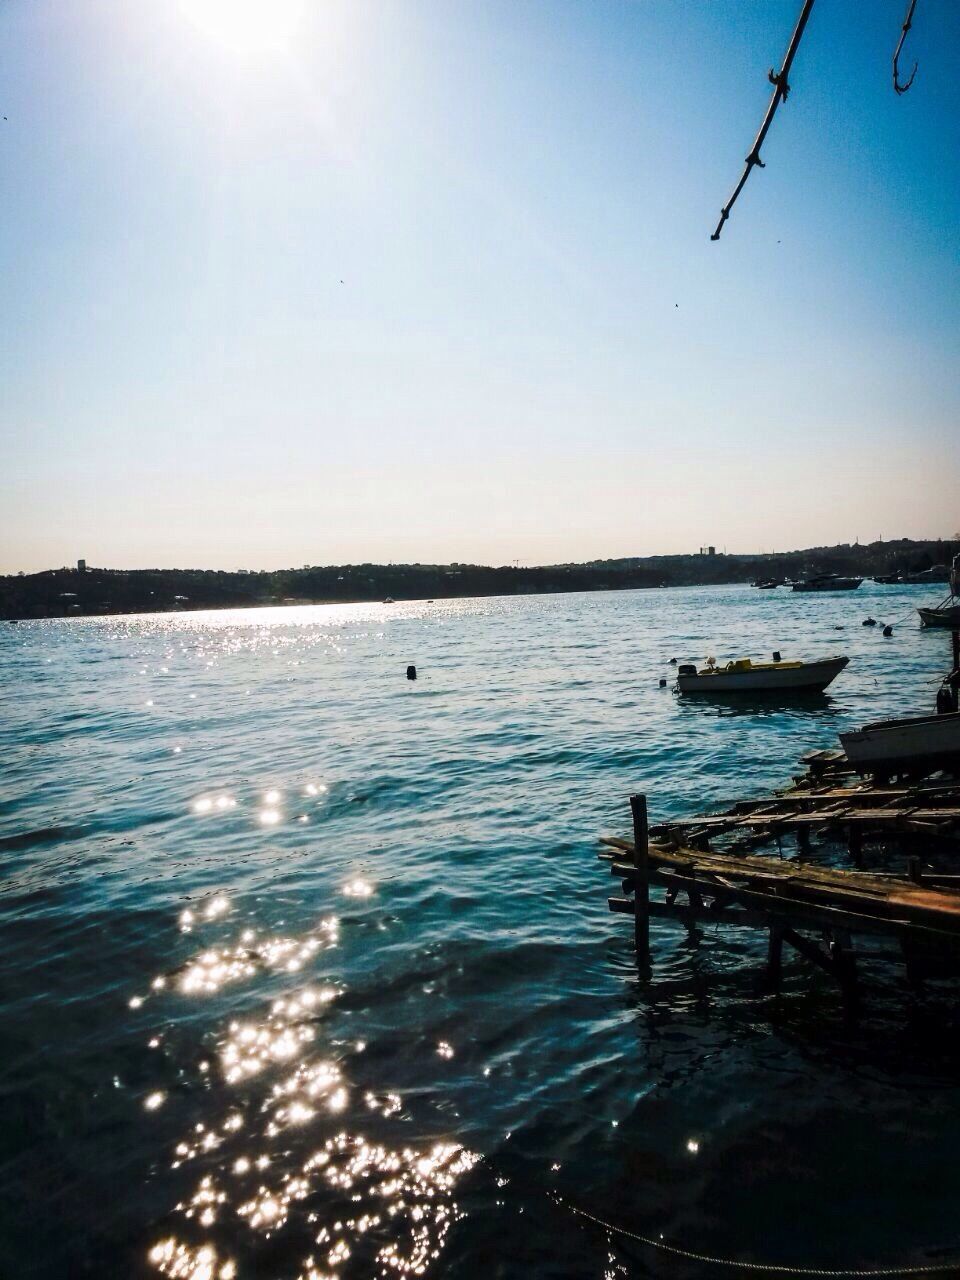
803	841
641	863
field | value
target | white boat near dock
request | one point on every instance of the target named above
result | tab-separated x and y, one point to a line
947	612
745	676
910	740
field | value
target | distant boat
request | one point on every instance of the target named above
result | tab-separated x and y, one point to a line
389	600
767	584
919	739
828	582
744	676
938	573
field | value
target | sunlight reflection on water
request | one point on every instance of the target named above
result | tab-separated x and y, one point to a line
280	1141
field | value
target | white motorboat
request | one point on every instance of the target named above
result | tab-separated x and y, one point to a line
745	676
912	739
827	582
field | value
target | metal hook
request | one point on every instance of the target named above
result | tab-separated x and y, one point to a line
907	22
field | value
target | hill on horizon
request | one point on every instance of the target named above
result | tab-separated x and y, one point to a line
90	591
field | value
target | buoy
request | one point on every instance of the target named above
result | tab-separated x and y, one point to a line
673	662
869	622
838	627
888	630
776	655
411	672
663	684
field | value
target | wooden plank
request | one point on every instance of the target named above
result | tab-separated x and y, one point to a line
905	912
813	799
829	916
768	871
864	794
789	819
762	867
842	966
876	897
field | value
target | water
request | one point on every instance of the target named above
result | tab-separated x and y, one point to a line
307	970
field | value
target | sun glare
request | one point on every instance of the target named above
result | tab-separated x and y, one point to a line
246	27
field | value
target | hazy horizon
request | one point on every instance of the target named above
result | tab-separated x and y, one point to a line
629	555
369	282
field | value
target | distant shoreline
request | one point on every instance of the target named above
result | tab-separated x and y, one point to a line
308	604
96	592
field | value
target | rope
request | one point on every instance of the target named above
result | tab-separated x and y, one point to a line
903	617
932	1268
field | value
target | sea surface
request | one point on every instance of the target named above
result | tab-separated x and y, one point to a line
306	970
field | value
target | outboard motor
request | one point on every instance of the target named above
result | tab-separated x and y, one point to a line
686	669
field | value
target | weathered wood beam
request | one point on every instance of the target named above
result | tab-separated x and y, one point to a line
817	915
641	865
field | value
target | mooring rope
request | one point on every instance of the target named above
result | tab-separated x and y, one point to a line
920	1269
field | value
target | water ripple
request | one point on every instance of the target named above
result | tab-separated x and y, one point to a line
307	969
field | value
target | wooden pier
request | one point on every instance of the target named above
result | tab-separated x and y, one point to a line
711	872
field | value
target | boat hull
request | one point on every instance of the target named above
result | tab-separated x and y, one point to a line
809	676
836	584
916	739
948	617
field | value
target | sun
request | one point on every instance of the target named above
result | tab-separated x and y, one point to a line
246	27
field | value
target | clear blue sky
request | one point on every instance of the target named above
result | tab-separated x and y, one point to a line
536	352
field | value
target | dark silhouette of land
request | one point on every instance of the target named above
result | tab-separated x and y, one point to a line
72	592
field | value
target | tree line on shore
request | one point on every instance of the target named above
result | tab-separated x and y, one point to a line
71	592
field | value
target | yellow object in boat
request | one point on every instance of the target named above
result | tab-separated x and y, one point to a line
745	664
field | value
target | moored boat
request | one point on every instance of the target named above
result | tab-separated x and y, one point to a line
900	743
937	573
827	582
745	676
947	612
943	615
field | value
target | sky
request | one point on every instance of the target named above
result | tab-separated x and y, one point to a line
332	281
